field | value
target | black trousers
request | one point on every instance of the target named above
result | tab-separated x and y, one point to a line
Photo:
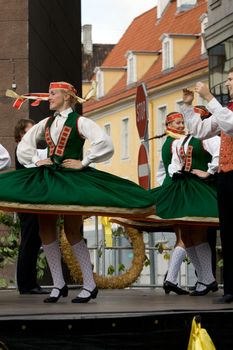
212	238
225	204
28	252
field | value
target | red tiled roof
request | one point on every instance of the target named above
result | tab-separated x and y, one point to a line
144	33
89	62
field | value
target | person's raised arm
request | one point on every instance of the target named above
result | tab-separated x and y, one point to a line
222	117
199	128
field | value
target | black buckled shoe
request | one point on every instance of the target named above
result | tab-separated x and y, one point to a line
63	292
171	287
212	287
93	295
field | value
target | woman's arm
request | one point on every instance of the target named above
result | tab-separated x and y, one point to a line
176	162
5	159
27	147
101	144
213	146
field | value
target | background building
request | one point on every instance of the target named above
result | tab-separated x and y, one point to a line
40	42
164	49
219	43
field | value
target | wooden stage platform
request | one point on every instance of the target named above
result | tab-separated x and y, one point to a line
133	318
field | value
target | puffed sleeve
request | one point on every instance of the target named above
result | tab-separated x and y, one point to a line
222	115
101	144
5	159
212	146
176	162
27	147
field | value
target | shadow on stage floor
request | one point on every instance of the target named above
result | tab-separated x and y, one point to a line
116	320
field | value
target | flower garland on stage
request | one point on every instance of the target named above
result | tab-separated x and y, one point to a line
109	282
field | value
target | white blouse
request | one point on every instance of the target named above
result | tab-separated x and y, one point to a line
101	145
5	159
211	145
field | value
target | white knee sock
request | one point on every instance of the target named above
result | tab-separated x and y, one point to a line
81	253
176	260
53	257
192	254
203	252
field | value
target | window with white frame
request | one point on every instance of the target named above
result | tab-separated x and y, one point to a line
160	126
125	138
107	128
179	105
167	52
204	23
131	68
100	83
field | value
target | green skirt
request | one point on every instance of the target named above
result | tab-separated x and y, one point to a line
186	196
86	187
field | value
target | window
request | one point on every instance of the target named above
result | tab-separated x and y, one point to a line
160	126
107	128
100	83
220	61
131	68
167	50
179	105
214	3
125	138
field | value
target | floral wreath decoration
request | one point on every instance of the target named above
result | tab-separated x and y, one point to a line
108	282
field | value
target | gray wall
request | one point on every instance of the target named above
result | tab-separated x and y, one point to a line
220	21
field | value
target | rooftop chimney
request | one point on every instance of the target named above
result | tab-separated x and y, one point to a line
87	39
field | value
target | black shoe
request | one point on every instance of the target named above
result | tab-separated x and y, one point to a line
193	287
63	292
209	287
36	290
93	295
225	299
171	287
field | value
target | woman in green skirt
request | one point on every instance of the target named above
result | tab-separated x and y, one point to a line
65	179
188	191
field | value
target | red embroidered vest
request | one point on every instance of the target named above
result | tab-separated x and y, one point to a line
226	149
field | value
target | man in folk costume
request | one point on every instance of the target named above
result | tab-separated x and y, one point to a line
65	179
221	121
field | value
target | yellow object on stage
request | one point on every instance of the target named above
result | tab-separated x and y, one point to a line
199	338
107	230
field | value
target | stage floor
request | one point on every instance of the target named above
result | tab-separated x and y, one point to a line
124	319
109	303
